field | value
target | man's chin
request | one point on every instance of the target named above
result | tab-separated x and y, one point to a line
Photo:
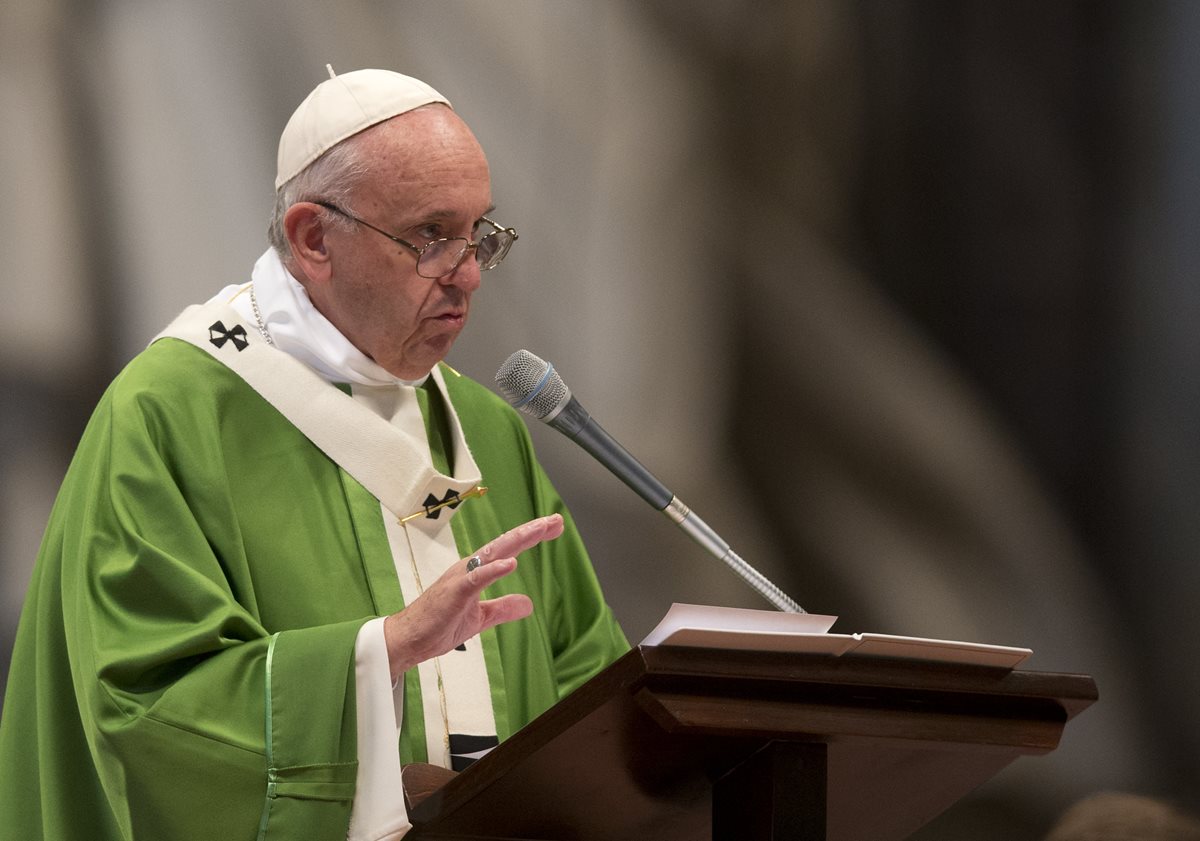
414	366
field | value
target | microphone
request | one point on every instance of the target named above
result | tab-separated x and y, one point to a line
533	387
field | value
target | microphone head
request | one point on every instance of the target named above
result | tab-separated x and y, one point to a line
532	386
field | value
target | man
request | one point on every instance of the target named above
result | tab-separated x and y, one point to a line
273	573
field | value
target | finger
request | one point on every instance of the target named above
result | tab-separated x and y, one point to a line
525	536
484	576
504	609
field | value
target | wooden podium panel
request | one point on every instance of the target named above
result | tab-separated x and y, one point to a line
683	743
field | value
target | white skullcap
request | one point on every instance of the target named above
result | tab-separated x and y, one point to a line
345	105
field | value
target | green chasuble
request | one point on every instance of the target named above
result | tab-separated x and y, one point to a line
185	664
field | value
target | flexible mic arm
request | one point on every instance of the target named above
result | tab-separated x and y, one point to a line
568	416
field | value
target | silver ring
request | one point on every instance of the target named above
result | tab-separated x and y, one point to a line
474	562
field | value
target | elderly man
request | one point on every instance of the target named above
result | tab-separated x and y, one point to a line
273	574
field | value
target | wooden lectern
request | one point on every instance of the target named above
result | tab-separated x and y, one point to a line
682	744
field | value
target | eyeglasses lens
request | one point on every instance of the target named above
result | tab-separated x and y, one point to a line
442	256
490	252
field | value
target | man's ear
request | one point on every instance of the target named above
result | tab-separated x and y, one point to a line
305	230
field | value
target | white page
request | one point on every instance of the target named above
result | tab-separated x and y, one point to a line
736	620
741	629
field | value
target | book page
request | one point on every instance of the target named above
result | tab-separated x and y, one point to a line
734	620
741	629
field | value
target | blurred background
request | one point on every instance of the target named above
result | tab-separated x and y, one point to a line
899	296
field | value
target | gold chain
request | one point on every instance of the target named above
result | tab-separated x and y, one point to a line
262	325
437	663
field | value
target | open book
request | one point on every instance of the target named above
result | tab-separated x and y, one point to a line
700	626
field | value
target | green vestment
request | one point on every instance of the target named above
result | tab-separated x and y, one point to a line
184	666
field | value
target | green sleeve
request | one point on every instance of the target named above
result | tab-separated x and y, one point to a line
202	721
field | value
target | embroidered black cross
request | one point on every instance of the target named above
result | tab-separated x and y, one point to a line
433	506
218	335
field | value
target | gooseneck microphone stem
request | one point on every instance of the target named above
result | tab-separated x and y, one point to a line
533	387
699	531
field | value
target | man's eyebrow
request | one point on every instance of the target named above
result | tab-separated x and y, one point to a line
443	215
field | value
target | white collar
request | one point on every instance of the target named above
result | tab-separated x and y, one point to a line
298	329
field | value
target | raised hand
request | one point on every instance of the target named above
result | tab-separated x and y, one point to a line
450	611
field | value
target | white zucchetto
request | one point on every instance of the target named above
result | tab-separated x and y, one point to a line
342	106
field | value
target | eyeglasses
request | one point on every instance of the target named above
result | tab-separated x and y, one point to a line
442	256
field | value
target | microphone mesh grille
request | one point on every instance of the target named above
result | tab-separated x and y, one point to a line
519	379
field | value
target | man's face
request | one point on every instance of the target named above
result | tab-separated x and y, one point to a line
428	179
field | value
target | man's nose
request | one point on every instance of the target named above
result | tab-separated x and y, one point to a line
466	275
